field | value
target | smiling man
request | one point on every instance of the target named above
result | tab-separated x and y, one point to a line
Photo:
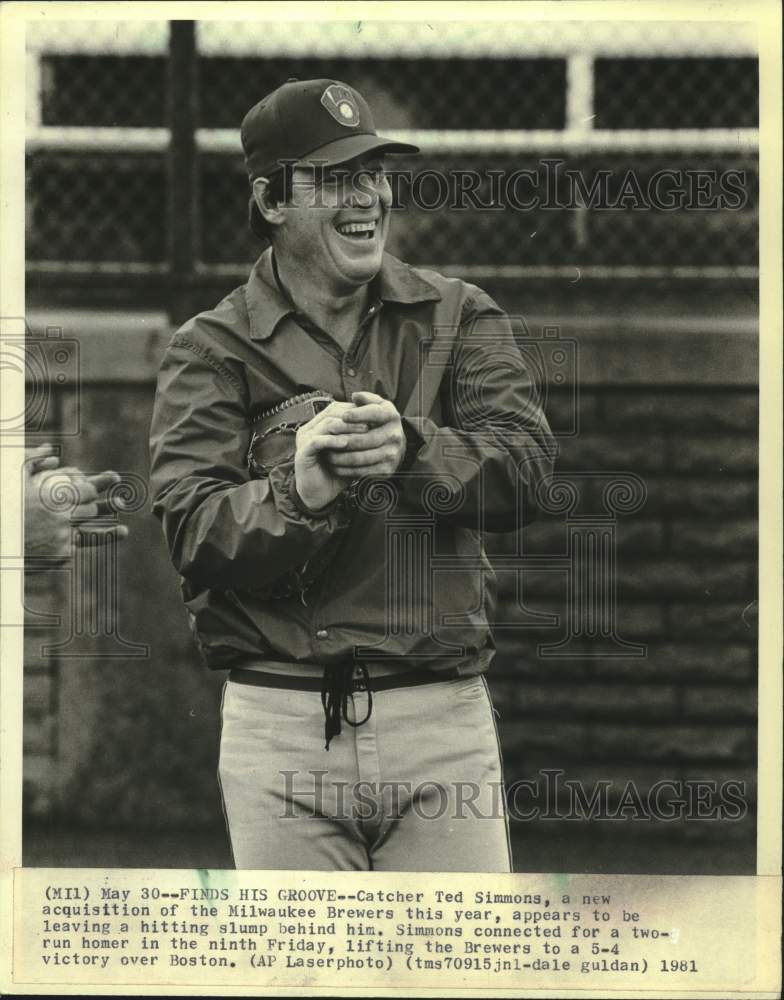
323	483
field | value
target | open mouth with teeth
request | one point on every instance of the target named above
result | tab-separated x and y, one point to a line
357	231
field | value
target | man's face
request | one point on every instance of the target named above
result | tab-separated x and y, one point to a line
336	222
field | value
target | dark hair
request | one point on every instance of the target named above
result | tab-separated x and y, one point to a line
278	191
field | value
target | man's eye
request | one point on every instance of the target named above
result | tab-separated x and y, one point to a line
329	178
374	173
332	179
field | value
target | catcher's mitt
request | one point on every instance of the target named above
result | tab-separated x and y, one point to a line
273	443
274	430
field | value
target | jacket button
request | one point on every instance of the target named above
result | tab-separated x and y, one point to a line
351	372
322	634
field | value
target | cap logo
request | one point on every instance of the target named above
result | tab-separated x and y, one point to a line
340	103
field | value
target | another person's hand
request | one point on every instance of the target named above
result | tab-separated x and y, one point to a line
317	483
56	499
376	451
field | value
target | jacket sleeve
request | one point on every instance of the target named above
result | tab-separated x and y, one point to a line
224	530
482	467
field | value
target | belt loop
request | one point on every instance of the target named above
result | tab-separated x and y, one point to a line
337	686
364	679
361	683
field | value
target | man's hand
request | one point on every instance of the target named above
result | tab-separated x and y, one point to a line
328	432
55	498
379	449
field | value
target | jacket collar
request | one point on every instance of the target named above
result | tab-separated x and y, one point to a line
399	282
267	305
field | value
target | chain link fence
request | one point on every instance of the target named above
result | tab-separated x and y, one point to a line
96	207
683	92
666	104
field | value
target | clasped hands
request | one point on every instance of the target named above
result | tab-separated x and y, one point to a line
344	442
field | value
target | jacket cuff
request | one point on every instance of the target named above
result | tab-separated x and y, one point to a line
291	491
290	503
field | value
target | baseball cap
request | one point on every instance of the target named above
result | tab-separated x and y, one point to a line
322	120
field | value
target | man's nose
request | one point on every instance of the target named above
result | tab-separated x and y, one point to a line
385	191
368	190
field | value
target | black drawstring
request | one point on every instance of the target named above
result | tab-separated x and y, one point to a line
336	687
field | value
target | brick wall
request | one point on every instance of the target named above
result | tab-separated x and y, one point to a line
129	743
686	571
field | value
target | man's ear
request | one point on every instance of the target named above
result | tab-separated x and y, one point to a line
270	211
